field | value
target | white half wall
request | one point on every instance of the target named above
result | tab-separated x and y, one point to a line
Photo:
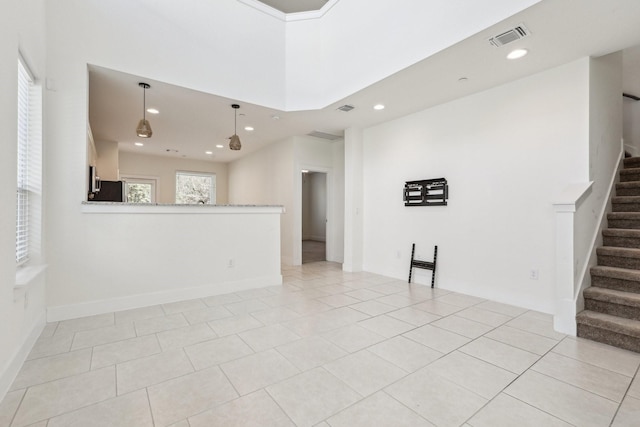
135	255
165	168
504	153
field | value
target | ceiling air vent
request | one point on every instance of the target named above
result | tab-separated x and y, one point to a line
346	108
324	135
510	36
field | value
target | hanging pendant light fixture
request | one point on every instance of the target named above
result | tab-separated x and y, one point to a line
234	142
144	128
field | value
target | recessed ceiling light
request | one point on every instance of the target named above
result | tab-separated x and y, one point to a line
275	117
208	152
152	111
517	53
463	79
138	144
248	128
378	107
219	146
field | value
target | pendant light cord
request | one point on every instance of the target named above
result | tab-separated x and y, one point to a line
144	103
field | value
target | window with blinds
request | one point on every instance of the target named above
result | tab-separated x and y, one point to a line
22	205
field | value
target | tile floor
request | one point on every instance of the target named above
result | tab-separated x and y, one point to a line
328	349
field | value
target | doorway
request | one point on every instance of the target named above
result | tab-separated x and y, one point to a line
314	216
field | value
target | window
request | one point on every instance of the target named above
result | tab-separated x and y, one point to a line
29	160
140	190
194	188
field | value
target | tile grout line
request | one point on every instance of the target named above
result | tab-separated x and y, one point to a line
508	385
626	393
414	327
13	417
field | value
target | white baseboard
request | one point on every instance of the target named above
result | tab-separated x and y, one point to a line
73	311
11	369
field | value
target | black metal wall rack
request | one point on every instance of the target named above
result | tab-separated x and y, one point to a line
426	265
426	192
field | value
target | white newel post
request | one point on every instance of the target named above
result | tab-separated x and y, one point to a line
566	286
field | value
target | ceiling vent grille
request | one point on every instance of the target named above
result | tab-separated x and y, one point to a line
324	135
510	36
346	108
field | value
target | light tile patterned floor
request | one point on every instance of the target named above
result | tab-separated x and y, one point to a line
326	348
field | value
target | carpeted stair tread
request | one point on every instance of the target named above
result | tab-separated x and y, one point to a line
625	199
616	273
625	203
628	220
620	325
632	162
619	252
630	171
621	232
630	188
629	184
621	237
624	215
612	296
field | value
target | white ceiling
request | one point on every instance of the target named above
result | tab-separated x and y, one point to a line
294	6
193	122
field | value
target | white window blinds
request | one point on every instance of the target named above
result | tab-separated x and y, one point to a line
22	205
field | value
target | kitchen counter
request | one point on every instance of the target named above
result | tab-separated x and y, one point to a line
172	208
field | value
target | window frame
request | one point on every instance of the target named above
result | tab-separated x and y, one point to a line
212	189
142	179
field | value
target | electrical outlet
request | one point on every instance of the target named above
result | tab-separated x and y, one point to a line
533	274
230	263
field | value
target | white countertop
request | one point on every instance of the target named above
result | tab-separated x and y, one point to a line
172	208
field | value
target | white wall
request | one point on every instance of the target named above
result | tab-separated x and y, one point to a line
266	177
164	169
107	161
581	210
504	153
356	43
320	155
272	175
632	126
337	154
22	319
605	135
354	199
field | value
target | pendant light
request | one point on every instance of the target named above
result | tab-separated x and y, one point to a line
144	128
234	142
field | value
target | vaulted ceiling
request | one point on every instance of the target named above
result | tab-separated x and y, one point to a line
191	123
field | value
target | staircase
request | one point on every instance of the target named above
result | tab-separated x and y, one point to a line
612	303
